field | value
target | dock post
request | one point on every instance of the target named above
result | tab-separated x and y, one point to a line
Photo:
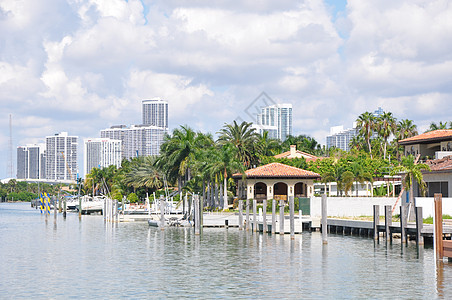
376	221
281	216
80	206
64	208
324	219
240	214
247	225
254	215
292	217
196	206
438	226
201	211
264	216
59	203
419	226
162	214
402	223
388	222
273	216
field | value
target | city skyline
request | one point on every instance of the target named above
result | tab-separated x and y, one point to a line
82	66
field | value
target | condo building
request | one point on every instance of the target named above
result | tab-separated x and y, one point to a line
101	153
31	162
61	157
155	113
340	137
276	120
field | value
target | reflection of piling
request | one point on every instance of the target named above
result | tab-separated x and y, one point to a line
240	214
281	216
273	216
324	219
264	216
292	217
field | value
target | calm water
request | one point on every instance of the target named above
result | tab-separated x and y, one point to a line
89	259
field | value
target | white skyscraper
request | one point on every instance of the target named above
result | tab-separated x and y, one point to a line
61	157
137	140
101	153
155	113
341	138
276	120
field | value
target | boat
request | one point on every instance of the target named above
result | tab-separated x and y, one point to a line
91	205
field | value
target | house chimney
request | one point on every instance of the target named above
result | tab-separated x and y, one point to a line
293	150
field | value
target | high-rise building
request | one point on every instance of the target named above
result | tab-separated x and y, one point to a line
276	120
101	153
61	157
137	140
155	113
341	138
29	162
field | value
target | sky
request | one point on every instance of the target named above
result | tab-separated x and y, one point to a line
83	65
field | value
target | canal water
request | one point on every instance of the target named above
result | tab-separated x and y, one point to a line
87	258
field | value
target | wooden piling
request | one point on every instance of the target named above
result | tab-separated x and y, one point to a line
419	226
292	217
197	220
254	215
64	208
247	225
162	214
324	219
376	221
264	216
281	216
240	214
402	223
438	226
388	222
273	216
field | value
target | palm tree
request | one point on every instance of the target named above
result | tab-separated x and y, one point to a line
347	181
177	153
243	137
366	126
268	146
386	126
144	173
434	126
223	164
413	173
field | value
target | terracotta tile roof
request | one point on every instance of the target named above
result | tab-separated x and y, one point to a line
441	165
278	170
436	135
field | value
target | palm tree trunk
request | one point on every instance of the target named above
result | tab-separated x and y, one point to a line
208	194
216	195
220	192
204	192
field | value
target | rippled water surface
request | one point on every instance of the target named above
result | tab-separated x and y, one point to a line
87	258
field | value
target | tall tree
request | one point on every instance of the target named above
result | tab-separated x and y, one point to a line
243	137
412	172
434	126
366	126
386	126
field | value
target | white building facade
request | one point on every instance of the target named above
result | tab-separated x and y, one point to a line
340	137
137	140
155	113
101	153
276	120
61	157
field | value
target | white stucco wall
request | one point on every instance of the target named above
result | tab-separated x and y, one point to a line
427	206
351	206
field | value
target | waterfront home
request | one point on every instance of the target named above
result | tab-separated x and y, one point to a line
433	144
294	153
275	181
